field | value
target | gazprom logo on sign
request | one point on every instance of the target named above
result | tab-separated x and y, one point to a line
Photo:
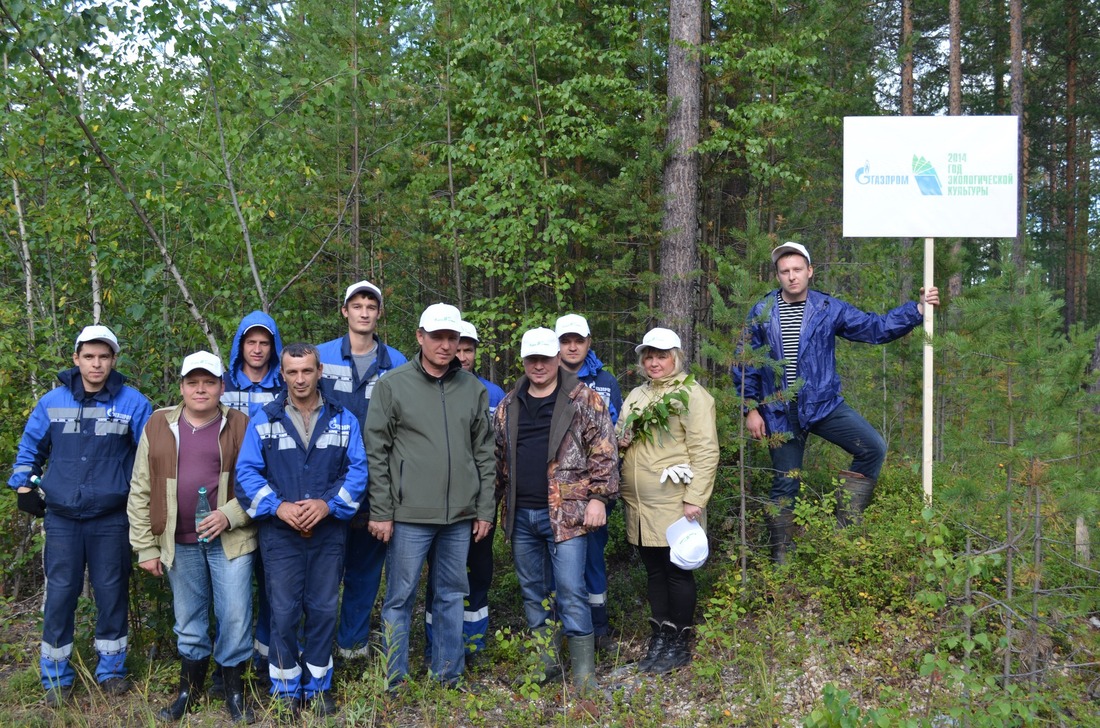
928	182
864	177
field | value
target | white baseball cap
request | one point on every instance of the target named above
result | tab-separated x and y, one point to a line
97	333
688	545
361	287
658	339
572	323
539	342
203	360
791	248
441	317
466	330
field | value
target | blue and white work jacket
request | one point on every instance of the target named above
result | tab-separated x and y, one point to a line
275	466
89	441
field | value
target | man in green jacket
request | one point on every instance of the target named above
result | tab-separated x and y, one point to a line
430	458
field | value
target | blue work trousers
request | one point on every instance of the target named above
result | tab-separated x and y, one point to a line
102	545
303	581
365	556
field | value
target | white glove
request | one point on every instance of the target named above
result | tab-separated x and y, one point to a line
679	473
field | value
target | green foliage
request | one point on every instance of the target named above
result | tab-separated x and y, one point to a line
651	422
838	711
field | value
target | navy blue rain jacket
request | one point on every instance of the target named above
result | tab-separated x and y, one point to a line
825	318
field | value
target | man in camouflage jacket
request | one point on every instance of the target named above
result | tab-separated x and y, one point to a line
557	467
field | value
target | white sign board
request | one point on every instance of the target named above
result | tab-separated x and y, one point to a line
930	176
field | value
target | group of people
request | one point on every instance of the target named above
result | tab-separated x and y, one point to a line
312	469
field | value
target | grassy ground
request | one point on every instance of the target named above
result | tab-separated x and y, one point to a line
825	641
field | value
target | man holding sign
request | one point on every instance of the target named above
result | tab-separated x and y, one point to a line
800	326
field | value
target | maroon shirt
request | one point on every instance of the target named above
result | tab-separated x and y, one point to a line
199	467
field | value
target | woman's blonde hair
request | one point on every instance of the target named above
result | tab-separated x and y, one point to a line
677	358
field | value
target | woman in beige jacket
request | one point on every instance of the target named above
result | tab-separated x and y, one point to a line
669	443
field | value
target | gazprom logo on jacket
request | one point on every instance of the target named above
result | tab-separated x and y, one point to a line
336	434
117	416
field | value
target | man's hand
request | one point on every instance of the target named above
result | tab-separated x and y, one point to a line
31	501
692	512
931	296
754	423
311	512
482	529
212	526
381	530
595	514
290	514
153	566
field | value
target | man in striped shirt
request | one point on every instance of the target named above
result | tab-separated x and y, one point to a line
800	326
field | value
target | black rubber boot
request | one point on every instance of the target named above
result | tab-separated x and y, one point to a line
852	497
656	646
235	703
192	678
677	652
216	688
781	535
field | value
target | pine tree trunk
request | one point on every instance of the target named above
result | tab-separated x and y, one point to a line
1016	46
681	176
954	108
1074	276
906	44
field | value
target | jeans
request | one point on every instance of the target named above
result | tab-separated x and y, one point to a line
843	427
103	545
475	615
408	549
201	576
540	561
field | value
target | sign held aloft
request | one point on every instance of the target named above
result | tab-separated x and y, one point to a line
930	176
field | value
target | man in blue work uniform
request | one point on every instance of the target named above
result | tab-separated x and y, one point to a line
300	475
88	429
252	381
352	365
575	340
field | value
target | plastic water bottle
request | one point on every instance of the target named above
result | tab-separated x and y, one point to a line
202	510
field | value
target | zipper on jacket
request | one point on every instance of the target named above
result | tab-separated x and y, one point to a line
447	439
